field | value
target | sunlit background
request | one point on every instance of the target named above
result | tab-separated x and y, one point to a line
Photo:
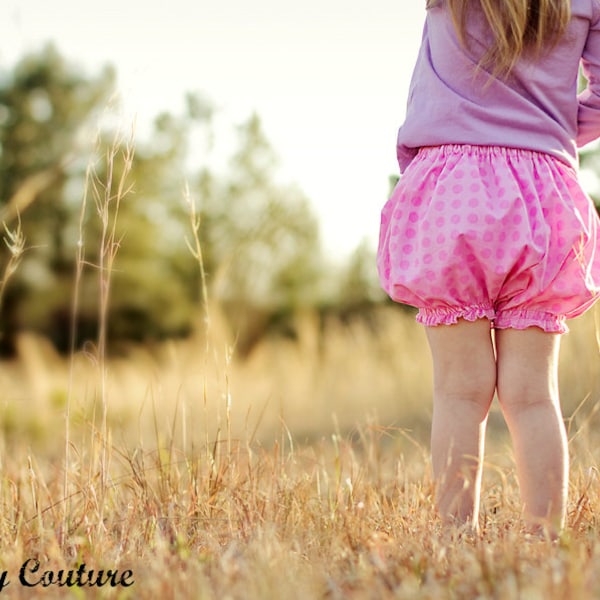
206	384
328	79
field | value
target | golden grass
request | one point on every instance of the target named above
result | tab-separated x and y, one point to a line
300	472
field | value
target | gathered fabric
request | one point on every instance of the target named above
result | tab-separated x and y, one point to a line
490	232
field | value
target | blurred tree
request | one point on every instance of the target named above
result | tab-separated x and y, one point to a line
50	117
264	254
359	287
260	240
153	294
45	103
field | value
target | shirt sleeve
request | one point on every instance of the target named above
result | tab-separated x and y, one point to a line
588	117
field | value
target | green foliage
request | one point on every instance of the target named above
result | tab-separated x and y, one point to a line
45	104
263	238
151	294
359	285
260	240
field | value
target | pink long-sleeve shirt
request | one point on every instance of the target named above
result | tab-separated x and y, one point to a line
536	107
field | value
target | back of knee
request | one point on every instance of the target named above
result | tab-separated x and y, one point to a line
476	387
518	394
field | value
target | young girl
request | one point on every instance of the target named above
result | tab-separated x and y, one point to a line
489	228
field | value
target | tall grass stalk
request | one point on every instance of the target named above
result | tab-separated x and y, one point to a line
107	189
74	316
79	263
108	196
195	248
14	240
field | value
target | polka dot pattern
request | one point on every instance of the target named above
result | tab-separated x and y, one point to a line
473	231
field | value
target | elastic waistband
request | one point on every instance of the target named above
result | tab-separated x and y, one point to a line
488	152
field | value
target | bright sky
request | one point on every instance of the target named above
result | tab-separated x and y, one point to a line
329	79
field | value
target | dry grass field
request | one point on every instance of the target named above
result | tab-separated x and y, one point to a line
301	471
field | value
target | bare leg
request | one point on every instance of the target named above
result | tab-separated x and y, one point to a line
528	394
464	382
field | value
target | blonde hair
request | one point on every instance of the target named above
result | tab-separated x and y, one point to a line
520	28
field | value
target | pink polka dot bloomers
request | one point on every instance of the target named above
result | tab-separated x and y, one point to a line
490	232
